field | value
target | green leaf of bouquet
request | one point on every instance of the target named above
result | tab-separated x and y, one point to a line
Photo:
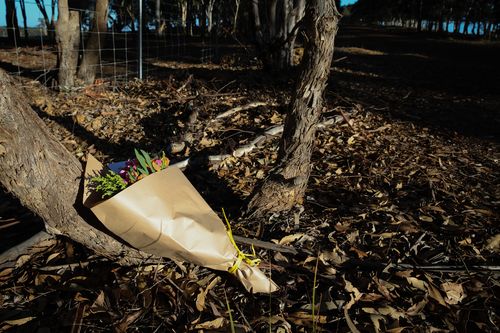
148	159
141	160
131	177
144	171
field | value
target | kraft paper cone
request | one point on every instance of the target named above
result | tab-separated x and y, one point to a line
163	214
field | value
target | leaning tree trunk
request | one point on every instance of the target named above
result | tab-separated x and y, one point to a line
68	37
92	49
286	184
46	178
41	6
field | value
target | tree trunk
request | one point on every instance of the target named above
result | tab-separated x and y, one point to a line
184	13
456	27
298	14
68	37
441	16
466	27
210	12
49	23
22	4
46	178
420	15
285	52
272	21
258	27
11	22
160	27
235	19
286	184
92	49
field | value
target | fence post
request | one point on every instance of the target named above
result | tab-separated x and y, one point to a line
140	39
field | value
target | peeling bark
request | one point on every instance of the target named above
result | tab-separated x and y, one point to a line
46	178
287	182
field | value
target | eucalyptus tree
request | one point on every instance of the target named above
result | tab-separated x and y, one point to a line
68	41
92	48
286	184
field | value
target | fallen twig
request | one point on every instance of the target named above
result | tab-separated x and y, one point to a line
451	268
245	149
188	81
265	245
241	108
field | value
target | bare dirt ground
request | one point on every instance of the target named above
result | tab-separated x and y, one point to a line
400	227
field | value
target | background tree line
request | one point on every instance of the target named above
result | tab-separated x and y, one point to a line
274	26
468	17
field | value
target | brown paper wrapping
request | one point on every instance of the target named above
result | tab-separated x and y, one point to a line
164	215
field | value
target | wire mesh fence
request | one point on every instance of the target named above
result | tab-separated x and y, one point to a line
29	48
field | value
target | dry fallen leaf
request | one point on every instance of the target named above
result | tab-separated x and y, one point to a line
212	324
428	287
129	319
493	243
200	299
305	318
391	312
454	292
52	256
22	260
417	308
100	304
426	218
290	239
18	322
355	296
376	319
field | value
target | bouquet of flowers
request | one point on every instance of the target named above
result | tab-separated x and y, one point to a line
154	208
132	171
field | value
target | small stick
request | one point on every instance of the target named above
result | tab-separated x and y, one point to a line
240	108
451	268
265	245
188	81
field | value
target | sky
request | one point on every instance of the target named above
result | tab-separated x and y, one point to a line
347	2
33	14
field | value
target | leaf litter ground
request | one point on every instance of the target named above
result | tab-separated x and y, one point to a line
400	221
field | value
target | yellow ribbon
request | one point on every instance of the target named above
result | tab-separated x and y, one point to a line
242	256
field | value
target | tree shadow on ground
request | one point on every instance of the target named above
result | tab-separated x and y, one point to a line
438	83
28	73
16	222
162	131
